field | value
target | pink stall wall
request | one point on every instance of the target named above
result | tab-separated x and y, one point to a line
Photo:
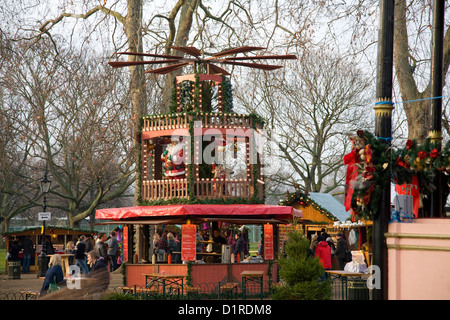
419	260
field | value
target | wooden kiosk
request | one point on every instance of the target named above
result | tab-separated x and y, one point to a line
199	165
59	237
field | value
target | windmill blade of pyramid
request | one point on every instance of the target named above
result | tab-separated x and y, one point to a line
253	65
281	57
167	69
150	55
236	50
189	50
217	69
120	64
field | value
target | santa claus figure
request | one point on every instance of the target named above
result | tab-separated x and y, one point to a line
173	159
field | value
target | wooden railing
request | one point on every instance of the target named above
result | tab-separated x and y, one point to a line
205	188
225	121
209	120
164	189
152	123
223	188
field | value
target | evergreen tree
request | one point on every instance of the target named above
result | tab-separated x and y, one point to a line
301	272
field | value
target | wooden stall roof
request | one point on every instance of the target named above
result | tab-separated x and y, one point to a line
317	207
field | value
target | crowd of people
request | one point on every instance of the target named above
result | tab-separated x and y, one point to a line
96	257
167	244
322	247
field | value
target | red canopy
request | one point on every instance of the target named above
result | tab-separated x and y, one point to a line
197	210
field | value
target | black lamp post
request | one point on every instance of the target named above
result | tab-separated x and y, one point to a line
383	129
43	258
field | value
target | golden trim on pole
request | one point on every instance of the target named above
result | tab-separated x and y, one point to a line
435	136
383	107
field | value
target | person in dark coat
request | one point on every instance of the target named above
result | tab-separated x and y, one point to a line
239	246
80	255
48	246
99	273
162	246
14	252
341	248
27	253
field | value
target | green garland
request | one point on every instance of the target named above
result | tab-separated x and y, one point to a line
302	199
379	164
124	272
189	273
195	200
173	100
48	229
186	96
227	91
374	173
423	159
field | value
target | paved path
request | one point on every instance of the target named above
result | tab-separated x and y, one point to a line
32	283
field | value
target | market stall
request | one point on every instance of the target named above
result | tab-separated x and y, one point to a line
56	236
193	219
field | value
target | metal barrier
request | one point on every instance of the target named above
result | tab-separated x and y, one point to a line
197	291
342	289
350	289
201	291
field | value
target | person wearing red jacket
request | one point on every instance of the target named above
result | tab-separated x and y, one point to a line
323	252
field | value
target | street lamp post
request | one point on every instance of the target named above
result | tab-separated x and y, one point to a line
383	130
43	258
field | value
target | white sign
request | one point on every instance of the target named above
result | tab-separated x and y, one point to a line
44	216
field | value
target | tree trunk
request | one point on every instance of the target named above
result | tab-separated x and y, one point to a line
417	113
181	39
133	25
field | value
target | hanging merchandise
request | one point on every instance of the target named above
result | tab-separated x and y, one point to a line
353	237
350	160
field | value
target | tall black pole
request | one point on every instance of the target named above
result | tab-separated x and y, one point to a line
383	130
437	76
44	249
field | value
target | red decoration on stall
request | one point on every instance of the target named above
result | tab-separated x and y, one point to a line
125	243
268	242
188	242
350	159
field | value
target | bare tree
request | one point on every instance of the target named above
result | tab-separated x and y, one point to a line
19	189
187	22
412	63
311	106
358	22
78	123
